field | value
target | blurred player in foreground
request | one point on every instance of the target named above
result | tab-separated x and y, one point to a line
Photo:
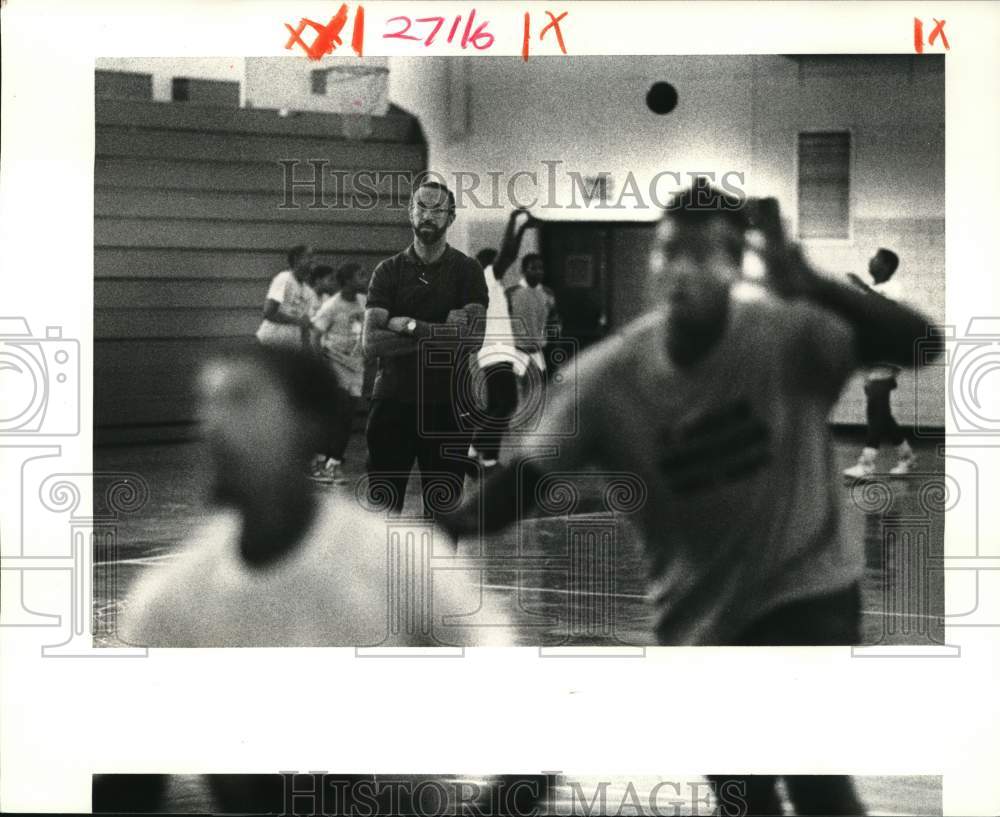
718	400
280	565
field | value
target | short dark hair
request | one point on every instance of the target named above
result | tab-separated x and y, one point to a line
888	258
527	259
701	203
311	386
296	252
426	181
346	272
319	273
486	256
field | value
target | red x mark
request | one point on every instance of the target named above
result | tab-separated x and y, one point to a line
328	36
938	29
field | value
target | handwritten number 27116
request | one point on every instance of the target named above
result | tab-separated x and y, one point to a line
480	38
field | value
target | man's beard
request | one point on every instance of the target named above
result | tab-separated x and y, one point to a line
428	233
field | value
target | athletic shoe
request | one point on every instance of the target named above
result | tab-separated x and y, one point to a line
332	473
860	470
905	466
865	465
320	474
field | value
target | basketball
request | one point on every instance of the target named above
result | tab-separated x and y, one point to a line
661	98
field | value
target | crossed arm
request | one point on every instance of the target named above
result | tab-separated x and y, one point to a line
386	337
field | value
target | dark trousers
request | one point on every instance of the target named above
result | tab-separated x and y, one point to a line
753	795
830	620
881	424
400	432
340	432
501	401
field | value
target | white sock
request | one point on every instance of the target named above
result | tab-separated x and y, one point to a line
869	454
904	450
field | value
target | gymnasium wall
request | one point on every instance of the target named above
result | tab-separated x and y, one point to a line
739	113
188	232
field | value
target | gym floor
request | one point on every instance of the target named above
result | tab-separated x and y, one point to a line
900	521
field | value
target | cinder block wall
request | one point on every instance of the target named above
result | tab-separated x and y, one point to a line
189	230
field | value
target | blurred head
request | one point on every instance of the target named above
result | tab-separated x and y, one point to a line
264	411
323	279
351	280
883	265
532	269
432	212
698	254
300	261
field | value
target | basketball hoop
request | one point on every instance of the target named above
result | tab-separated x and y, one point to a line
362	89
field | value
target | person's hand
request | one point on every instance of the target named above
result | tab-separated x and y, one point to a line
857	281
458	317
398	325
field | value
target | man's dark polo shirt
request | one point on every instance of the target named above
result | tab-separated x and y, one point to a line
398	285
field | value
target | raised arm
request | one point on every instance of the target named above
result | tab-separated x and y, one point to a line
885	331
510	246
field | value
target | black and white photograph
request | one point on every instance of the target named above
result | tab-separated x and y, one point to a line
506	408
405	353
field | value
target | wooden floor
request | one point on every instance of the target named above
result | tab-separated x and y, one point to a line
899	521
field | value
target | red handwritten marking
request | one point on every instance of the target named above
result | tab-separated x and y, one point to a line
468	28
527	33
328	37
358	36
480	37
296	35
555	24
437	28
401	34
938	30
918	35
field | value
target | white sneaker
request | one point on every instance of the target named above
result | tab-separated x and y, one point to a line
905	465
319	474
860	470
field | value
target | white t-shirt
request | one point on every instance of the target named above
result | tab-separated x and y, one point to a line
740	514
339	323
332	590
297	299
498	343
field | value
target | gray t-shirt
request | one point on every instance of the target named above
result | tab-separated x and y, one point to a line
740	514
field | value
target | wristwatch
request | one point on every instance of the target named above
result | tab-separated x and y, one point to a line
411	326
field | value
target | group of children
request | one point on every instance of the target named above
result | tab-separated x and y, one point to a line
319	308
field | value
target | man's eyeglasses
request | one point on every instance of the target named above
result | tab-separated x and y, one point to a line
435	210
